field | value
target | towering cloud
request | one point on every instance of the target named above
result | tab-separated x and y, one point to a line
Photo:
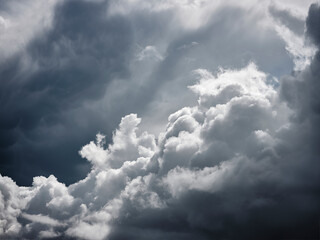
242	163
70	69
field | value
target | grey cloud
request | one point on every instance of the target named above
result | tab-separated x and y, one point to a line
241	163
70	81
253	192
227	40
286	18
70	65
300	90
312	23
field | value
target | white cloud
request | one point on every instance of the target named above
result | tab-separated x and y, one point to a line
149	53
19	24
10	207
38	218
297	45
228	140
239	147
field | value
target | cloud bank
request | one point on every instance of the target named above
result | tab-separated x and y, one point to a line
242	163
66	65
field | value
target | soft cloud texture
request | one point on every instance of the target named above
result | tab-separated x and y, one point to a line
65	71
19	24
240	162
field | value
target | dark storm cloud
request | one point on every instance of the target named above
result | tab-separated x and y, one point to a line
68	66
312	23
59	92
271	193
243	163
301	90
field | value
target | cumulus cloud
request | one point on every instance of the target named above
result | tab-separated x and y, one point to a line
221	167
67	69
241	163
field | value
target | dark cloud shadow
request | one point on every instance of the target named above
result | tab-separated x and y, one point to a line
69	66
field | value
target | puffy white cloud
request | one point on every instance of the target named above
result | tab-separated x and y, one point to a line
10	207
228	141
245	157
82	68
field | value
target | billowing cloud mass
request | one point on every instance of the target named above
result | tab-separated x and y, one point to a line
237	159
72	68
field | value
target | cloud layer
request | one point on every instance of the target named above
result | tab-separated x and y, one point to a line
77	67
242	163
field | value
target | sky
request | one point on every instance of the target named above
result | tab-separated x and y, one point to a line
171	119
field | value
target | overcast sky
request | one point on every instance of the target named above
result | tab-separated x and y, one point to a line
172	119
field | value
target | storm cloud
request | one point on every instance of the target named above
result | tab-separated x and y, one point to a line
238	157
43	87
